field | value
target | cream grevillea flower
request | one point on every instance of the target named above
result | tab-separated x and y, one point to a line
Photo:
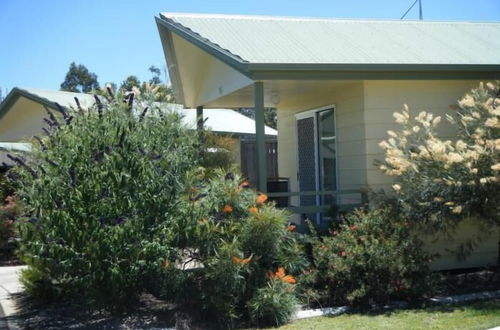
392	134
496	167
453	157
492	122
436	121
467	101
421	116
460	145
396	187
400	119
457	209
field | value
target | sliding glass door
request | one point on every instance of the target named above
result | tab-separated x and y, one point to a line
317	167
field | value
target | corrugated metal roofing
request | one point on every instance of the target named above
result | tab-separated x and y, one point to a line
272	40
218	120
224	121
66	99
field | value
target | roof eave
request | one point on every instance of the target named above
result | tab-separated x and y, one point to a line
223	55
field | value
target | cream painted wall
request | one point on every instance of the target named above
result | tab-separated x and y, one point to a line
22	121
364	114
484	255
383	98
348	101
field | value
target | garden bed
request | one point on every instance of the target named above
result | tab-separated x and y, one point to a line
154	313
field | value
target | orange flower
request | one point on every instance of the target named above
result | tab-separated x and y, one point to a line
244	261
261	198
280	273
253	210
165	264
227	209
244	184
291	227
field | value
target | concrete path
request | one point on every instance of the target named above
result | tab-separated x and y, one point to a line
9	284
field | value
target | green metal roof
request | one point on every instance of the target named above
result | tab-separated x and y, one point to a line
260	42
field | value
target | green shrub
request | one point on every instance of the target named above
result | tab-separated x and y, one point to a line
100	192
273	304
234	239
371	259
115	205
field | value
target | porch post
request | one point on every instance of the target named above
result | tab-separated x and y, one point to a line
260	137
199	125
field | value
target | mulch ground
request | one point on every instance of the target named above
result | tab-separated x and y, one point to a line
150	313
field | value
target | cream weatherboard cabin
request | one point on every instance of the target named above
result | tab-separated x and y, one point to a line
335	84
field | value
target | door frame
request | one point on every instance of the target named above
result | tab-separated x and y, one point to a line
314	114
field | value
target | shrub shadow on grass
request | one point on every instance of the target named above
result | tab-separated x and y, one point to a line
485	306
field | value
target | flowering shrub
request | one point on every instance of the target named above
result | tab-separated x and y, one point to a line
232	240
99	193
274	303
371	258
439	180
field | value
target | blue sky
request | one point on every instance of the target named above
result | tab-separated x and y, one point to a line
114	39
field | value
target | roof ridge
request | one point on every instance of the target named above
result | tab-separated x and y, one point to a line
172	15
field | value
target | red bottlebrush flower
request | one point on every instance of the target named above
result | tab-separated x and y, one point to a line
343	254
354	227
165	263
334	233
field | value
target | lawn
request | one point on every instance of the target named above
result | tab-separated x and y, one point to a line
479	315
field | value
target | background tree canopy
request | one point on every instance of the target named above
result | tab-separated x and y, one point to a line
79	79
270	115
